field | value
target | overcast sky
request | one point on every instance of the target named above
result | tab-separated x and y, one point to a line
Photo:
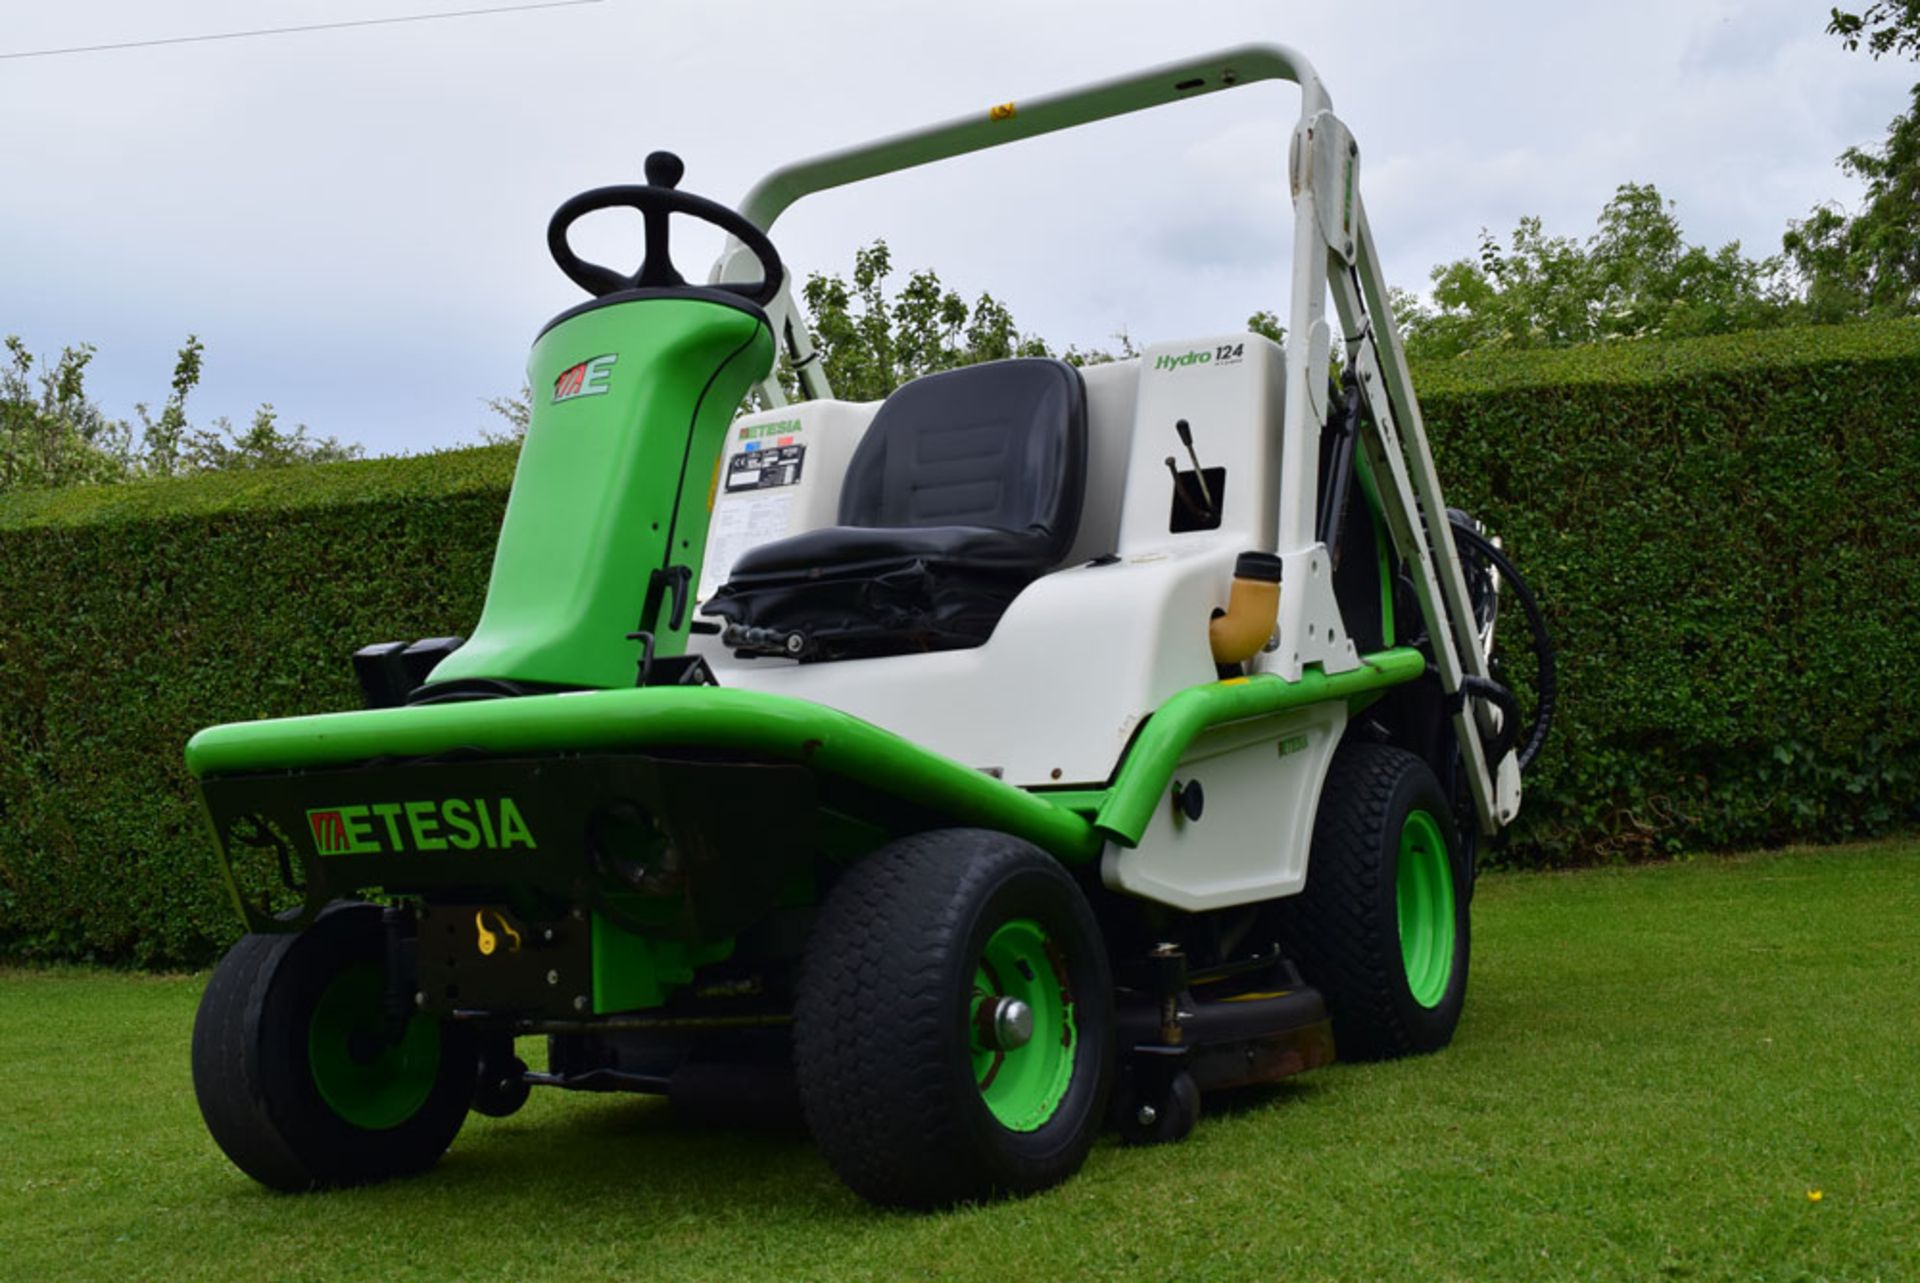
353	220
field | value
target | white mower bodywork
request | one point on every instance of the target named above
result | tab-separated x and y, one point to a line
1087	653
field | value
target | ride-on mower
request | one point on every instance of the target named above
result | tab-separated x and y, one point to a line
1035	748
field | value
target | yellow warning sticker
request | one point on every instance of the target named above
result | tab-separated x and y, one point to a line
1002	112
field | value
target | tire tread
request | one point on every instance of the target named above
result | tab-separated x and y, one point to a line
872	1024
1342	930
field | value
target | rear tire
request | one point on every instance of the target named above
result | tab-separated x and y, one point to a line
1383	926
911	1102
293	1076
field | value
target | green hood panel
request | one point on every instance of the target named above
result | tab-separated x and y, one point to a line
639	718
631	402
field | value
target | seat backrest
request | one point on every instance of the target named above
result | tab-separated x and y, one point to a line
1001	445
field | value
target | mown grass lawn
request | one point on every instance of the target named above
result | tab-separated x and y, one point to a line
1703	1070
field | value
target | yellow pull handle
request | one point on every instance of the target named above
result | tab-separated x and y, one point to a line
489	941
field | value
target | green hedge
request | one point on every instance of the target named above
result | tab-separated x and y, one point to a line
1726	533
131	616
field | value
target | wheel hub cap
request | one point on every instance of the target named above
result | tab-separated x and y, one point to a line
1022	1026
1004	1024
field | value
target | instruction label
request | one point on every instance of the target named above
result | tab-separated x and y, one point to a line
739	524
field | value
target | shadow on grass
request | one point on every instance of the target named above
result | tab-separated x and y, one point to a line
1241	1102
641	1152
571	1159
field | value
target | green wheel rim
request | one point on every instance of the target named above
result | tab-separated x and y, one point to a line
1023	1087
366	1081
1423	891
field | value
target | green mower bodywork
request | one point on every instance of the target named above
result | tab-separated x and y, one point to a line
564	826
412	800
584	838
548	803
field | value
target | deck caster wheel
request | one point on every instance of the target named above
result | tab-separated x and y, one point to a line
953	1028
299	1075
501	1086
1159	1117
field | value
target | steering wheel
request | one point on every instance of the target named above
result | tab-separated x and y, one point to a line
656	201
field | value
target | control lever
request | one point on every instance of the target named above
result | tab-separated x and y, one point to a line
677	584
1199	473
1180	488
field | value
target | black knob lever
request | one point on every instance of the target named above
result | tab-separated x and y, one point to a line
664	169
1199	473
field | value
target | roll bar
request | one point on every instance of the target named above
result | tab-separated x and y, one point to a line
1011	121
1003	123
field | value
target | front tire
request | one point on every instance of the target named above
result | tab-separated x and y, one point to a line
293	1072
1383	927
913	1093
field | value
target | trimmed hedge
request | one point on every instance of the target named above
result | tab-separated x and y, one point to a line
131	616
1726	533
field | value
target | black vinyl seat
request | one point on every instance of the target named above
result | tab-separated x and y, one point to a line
966	488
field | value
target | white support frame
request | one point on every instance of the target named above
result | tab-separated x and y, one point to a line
1333	249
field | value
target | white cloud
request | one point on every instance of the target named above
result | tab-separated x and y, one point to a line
354	220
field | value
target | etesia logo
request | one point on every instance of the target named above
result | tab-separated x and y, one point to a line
1171	362
589	378
397	827
754	431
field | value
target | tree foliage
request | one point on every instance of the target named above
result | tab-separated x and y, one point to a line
50	433
1636	276
873	339
53	434
871	336
1267	326
1867	264
1885	26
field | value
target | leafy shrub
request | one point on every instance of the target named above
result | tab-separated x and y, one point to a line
133	615
1726	533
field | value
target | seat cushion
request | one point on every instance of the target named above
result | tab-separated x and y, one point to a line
844	550
877	608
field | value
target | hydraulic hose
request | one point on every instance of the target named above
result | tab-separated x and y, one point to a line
1546	679
1502	698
